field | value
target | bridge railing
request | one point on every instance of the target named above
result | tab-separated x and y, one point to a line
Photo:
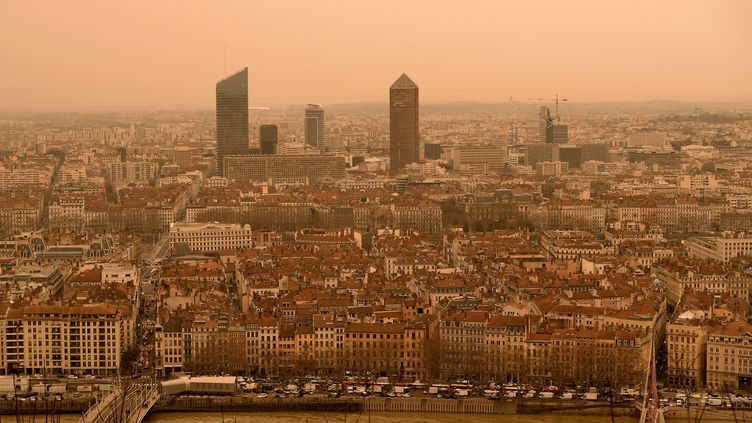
129	404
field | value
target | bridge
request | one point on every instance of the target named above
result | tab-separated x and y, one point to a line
123	405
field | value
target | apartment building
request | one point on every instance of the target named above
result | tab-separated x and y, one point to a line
24	176
19	213
568	245
210	236
463	344
547	168
686	335
700	275
120	273
571	214
505	347
377	347
328	337
417	215
131	172
729	356
671	214
63	339
168	347
722	248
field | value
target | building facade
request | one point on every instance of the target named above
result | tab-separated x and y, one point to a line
232	117
404	131
315	134
268	139
260	168
63	339
210	236
729	357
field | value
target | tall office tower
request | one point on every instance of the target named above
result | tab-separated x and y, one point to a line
570	154
232	117
403	123
538	152
268	137
314	126
545	126
432	151
560	133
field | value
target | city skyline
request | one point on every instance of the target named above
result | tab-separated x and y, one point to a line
251	208
484	53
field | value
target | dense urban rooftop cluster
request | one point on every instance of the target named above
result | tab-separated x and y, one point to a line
507	251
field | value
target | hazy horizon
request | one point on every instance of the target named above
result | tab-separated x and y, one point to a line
138	55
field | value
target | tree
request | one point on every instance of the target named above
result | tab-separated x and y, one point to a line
128	360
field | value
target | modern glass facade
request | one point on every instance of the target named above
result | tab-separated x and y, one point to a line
268	138
232	117
314	127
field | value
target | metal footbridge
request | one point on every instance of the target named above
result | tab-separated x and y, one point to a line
128	404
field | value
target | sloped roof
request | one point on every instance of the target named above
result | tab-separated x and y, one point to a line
404	81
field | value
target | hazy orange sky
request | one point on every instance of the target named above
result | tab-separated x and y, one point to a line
70	54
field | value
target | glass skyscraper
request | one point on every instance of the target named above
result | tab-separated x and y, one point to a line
232	117
314	127
268	137
545	126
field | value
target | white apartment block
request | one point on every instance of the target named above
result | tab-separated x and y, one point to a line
722	248
120	273
132	171
210	236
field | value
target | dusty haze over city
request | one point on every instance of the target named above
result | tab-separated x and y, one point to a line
518	211
79	55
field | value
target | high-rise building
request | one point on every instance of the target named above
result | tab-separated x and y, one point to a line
538	152
314	127
432	151
183	156
232	117
545	126
560	133
403	123
570	154
598	152
268	138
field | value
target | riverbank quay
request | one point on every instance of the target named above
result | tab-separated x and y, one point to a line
519	406
42	407
695	414
413	405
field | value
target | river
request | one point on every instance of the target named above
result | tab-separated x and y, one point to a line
380	417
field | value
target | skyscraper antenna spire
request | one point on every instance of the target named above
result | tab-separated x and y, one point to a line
225	57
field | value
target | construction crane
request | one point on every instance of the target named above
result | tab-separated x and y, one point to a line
555	98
